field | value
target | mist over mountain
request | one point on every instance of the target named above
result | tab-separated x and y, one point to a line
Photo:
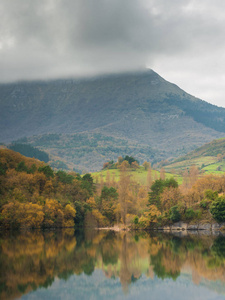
141	110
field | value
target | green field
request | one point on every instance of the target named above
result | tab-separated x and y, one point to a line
210	159
206	164
139	175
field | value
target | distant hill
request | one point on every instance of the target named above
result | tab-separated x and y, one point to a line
97	119
29	151
88	151
210	158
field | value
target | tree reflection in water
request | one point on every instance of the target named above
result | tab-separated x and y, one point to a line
30	260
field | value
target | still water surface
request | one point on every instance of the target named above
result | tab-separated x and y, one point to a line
107	265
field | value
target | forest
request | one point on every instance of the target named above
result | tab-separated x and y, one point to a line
32	195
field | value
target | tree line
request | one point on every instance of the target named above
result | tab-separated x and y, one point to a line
32	195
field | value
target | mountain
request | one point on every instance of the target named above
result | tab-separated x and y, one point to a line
106	116
209	158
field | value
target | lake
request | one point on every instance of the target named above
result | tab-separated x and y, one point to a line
68	264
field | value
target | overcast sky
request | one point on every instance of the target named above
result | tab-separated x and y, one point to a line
182	40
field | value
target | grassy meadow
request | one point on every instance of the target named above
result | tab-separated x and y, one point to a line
140	175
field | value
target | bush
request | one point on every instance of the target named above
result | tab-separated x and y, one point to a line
205	204
136	220
190	214
174	214
217	209
209	194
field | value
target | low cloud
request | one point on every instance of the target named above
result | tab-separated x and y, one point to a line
182	40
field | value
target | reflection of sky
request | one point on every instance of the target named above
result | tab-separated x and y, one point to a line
97	287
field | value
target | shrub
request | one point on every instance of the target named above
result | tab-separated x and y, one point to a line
136	220
190	214
217	209
209	194
143	222
205	204
174	214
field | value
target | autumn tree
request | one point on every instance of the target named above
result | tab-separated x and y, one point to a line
149	218
186	180
134	165
123	190
162	174
98	216
170	196
16	215
146	165
69	215
142	200
193	173
149	176
53	214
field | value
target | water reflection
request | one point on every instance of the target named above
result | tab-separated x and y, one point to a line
33	260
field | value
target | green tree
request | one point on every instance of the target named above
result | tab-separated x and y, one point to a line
211	195
217	209
130	159
63	177
108	200
3	168
21	167
47	170
174	214
88	183
157	188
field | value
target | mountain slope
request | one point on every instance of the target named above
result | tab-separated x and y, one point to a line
141	108
210	158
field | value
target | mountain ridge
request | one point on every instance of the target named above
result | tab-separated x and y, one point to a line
141	107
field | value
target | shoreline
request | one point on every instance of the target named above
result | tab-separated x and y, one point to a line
176	227
114	228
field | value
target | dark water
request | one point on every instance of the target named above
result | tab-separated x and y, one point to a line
107	265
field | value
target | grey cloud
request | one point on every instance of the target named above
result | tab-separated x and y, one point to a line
57	38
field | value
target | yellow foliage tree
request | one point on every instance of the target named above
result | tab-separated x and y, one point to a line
17	215
69	215
170	197
54	216
149	217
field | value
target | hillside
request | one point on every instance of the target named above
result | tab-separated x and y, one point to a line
32	195
210	158
140	176
84	152
139	110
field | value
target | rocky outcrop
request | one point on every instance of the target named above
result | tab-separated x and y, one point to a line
181	226
192	227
